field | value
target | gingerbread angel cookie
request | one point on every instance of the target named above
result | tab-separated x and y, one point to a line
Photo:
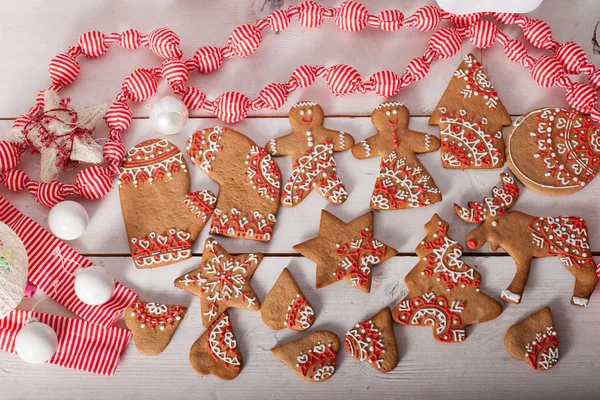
403	182
444	291
471	116
249	182
311	147
162	217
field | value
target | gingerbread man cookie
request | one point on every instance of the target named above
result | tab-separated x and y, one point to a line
403	182
311	147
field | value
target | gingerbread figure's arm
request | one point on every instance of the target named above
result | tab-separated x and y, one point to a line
341	141
366	148
420	142
281	146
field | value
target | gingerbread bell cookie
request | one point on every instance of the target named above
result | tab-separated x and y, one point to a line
534	340
373	341
162	218
525	237
444	291
285	306
554	150
471	116
249	182
222	281
216	351
402	182
345	251
311	147
313	356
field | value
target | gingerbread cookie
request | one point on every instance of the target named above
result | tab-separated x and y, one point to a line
374	342
216	352
403	182
345	251
313	356
525	237
311	147
444	291
534	340
286	306
554	150
471	116
221	281
249	182
162	217
153	325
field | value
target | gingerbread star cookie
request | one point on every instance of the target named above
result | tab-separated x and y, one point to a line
311	147
286	306
222	281
373	341
216	352
345	251
402	182
313	356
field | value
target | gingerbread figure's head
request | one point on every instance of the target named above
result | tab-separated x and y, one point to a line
388	116
305	115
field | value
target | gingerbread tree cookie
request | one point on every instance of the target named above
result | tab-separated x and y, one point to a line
403	182
286	306
311	147
373	341
162	218
471	116
249	182
216	352
345	251
443	290
221	281
313	356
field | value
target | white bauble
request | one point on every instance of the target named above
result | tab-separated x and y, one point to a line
168	115
68	220
13	270
94	285
36	342
473	6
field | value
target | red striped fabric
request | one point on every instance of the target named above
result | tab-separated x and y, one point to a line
483	34
417	68
130	39
92	44
311	14
351	16
118	116
45	269
164	43
9	156
425	18
538	33
446	42
175	73
49	194
390	20
193	98
595	80
546	70
245	40
342	80
304	75
231	107
515	50
94	182
582	97
63	69
82	346
278	20
572	56
140	85
466	20
208	58
273	95
387	83
15	180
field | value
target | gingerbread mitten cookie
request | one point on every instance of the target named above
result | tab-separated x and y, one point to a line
443	290
286	306
221	281
162	217
311	147
471	116
216	352
534	340
313	357
153	325
249	182
345	251
403	182
373	341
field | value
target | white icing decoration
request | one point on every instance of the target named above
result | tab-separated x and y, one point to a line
228	340
580	301
508	295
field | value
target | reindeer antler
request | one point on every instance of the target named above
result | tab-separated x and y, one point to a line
502	200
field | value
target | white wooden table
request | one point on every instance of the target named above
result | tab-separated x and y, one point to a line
35	31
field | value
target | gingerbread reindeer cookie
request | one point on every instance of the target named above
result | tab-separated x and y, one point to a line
311	147
403	182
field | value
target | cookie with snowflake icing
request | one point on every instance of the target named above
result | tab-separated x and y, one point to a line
285	306
153	325
534	340
373	341
471	116
313	356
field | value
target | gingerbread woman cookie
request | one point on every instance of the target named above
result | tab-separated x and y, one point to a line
403	182
311	147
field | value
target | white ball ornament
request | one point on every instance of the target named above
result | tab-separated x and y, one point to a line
168	115
68	220
36	342
94	285
13	270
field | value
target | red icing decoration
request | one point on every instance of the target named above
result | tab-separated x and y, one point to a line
154	321
359	270
265	178
317	360
151	249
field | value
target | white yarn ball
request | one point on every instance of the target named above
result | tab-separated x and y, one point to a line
36	342
68	220
168	115
94	285
13	270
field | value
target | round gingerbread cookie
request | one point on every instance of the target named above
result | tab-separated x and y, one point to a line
554	150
